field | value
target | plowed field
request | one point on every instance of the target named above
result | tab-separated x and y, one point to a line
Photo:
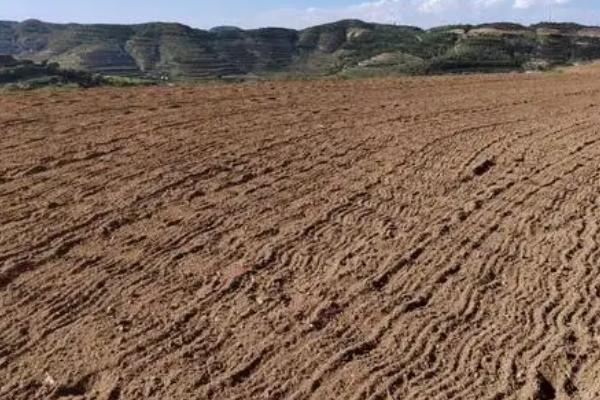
417	238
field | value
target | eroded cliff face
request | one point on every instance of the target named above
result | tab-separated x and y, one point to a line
351	47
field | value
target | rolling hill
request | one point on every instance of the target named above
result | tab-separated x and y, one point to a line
348	47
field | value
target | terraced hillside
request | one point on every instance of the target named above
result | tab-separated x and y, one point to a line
436	238
350	48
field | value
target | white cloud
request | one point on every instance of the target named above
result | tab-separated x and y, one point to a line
538	3
422	12
429	6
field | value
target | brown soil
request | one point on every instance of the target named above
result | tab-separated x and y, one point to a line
427	238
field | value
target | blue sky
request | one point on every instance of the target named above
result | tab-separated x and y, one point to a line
301	13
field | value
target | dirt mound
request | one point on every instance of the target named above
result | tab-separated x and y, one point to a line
436	239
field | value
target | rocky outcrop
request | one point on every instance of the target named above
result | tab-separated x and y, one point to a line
8	61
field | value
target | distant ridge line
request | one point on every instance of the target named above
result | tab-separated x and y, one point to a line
346	47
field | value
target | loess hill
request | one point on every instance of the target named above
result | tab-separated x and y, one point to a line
350	47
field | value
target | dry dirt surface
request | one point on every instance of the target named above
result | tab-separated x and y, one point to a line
426	238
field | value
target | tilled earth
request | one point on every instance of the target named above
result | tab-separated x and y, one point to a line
417	238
